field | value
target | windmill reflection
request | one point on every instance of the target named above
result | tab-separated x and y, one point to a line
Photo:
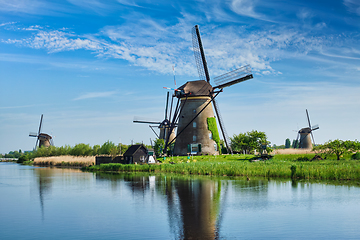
195	205
199	204
44	182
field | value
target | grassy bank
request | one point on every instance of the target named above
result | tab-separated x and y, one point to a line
283	166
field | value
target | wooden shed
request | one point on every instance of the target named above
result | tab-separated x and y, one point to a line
136	154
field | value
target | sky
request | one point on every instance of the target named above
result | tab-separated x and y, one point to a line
91	66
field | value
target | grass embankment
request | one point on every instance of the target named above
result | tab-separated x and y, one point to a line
283	166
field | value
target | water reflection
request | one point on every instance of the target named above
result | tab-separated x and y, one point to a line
78	205
195	205
44	182
45	177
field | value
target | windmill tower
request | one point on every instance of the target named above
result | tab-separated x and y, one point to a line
196	125
164	125
42	138
304	134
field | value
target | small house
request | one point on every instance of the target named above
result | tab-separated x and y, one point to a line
138	154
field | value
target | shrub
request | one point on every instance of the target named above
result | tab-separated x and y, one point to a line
356	156
303	159
22	159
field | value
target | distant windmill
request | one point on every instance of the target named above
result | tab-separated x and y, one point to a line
304	134
194	107
164	125
42	138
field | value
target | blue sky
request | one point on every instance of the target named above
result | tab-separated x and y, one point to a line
91	66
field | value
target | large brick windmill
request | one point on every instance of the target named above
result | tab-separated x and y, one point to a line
194	115
42	138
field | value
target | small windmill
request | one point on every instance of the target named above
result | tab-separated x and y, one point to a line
304	134
164	125
42	138
194	114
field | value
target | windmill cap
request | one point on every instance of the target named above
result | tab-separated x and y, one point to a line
197	88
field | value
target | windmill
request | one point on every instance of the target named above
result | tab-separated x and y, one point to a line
164	125
43	138
304	134
194	114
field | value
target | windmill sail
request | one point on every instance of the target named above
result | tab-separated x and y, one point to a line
222	127
200	55
238	75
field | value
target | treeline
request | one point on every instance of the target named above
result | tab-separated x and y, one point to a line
81	149
339	148
288	144
12	154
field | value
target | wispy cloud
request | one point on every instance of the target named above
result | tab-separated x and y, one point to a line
36	7
95	95
157	46
23	106
97	6
353	6
7	23
245	8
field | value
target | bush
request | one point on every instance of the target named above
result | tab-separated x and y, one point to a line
303	159
356	156
23	158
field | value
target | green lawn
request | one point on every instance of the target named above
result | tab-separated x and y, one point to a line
283	166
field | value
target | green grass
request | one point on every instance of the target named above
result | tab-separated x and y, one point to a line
281	166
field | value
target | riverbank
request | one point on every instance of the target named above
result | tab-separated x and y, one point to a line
281	166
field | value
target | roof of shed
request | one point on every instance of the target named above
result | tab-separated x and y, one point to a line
133	149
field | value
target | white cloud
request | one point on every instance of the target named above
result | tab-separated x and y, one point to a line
7	23
244	7
158	47
95	95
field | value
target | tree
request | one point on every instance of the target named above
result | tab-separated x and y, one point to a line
106	148
159	145
249	141
295	144
287	143
337	147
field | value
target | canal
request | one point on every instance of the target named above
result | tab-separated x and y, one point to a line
62	203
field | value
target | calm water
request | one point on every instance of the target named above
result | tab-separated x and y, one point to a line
51	203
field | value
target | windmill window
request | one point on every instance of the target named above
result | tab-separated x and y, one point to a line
194	124
194	138
194	110
210	135
216	147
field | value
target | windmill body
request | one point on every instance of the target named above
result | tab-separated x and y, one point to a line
305	139
304	135
44	140
193	130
